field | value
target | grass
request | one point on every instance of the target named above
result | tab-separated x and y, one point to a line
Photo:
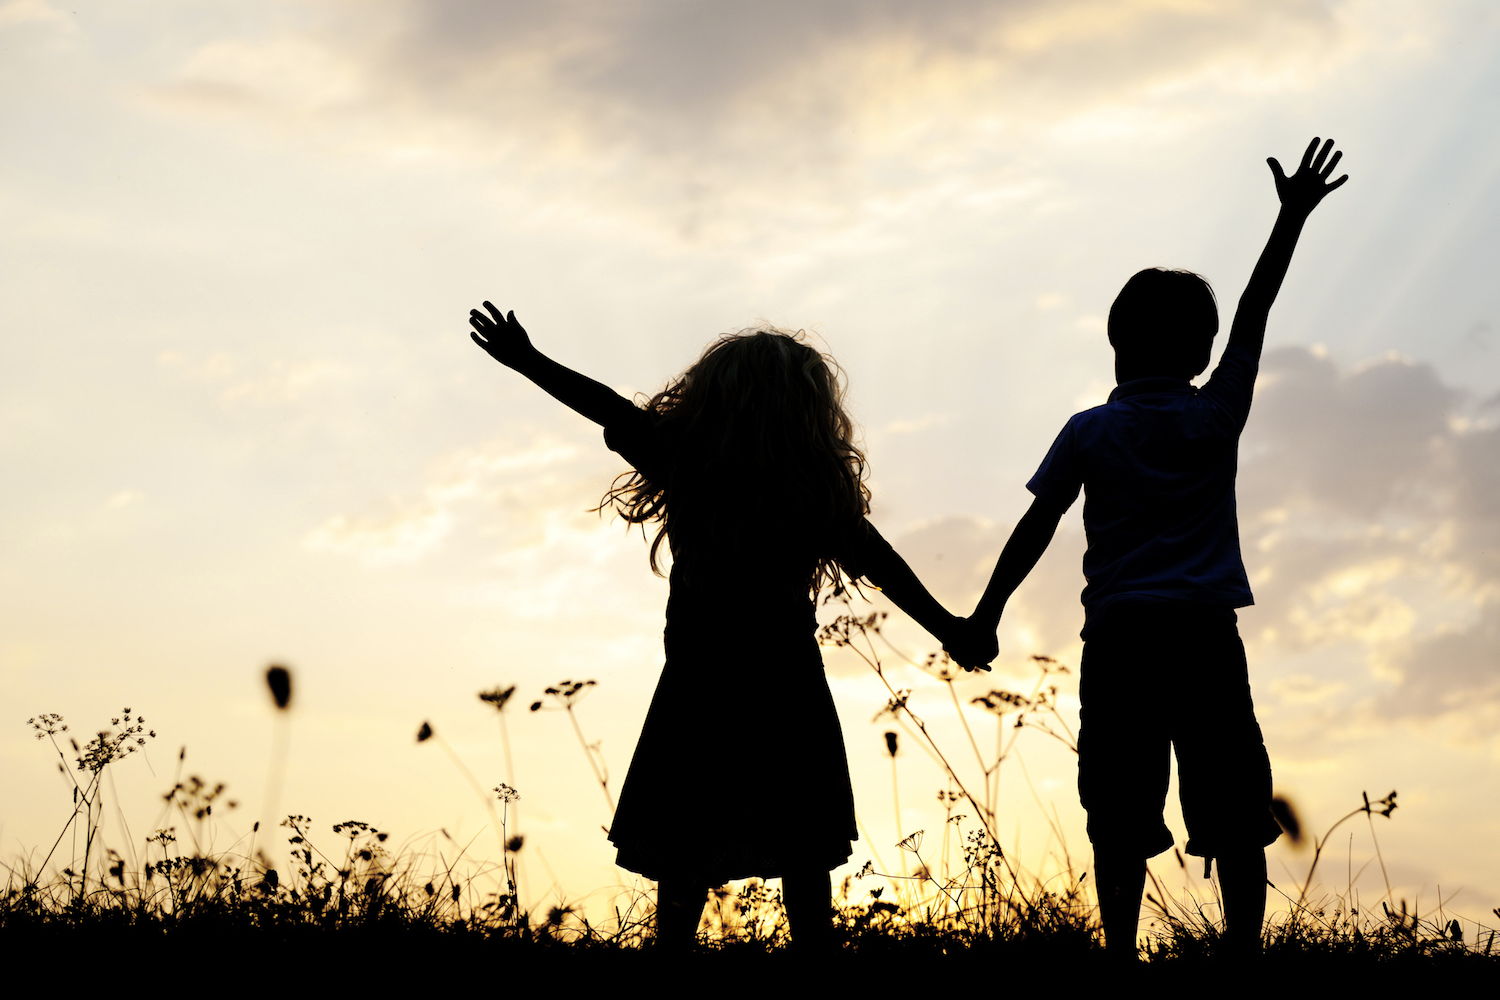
348	891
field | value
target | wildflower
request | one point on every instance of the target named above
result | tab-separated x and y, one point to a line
895	706
108	745
425	733
890	743
566	692
353	828
506	793
912	842
497	697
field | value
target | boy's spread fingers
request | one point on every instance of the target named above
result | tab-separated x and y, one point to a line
1307	154
1333	161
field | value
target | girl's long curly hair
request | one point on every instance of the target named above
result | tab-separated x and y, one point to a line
763	458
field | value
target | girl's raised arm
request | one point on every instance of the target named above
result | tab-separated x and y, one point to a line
505	340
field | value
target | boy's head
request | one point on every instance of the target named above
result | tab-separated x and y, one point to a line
1163	323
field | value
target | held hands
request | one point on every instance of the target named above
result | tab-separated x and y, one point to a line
971	645
1309	185
501	336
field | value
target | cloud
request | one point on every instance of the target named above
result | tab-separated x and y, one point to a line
708	118
469	489
1368	516
1454	671
32	12
402	536
279	382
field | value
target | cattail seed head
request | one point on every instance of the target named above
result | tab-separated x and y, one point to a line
279	680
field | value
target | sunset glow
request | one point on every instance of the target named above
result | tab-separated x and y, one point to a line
243	423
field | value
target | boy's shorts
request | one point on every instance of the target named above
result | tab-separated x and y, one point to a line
1159	675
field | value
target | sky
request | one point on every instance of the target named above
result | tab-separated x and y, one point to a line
243	423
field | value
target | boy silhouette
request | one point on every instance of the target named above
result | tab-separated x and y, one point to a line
1163	666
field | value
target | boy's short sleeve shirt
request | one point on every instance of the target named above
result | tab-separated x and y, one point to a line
1157	465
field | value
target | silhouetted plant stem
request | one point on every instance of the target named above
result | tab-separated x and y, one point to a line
963	720
275	772
1384	806
591	753
489	805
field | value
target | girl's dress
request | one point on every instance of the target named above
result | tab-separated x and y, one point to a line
740	769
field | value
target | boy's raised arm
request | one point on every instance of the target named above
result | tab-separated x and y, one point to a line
505	340
1300	194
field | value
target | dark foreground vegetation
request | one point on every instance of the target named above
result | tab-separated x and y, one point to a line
344	900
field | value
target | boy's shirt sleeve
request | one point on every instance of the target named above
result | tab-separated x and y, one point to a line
1231	386
1060	476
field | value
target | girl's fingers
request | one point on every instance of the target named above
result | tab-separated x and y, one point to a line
500	319
478	322
480	341
1336	183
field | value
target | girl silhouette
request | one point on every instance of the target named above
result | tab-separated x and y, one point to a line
747	465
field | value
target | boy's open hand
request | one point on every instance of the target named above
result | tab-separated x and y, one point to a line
501	336
971	646
1309	185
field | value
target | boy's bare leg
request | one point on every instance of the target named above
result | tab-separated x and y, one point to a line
1242	878
1121	880
679	910
809	901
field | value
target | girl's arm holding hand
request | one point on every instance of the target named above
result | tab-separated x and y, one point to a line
505	340
888	572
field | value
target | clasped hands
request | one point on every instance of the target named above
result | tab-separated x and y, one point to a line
971	644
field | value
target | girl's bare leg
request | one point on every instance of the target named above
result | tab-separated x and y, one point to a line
679	911
809	909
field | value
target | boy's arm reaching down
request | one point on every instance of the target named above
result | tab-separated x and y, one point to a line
1234	379
1032	534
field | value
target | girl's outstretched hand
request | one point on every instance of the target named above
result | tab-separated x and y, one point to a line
1309	185
501	336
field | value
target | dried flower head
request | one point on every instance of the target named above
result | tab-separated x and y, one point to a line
110	745
498	697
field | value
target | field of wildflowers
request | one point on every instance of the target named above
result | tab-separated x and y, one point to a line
956	893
